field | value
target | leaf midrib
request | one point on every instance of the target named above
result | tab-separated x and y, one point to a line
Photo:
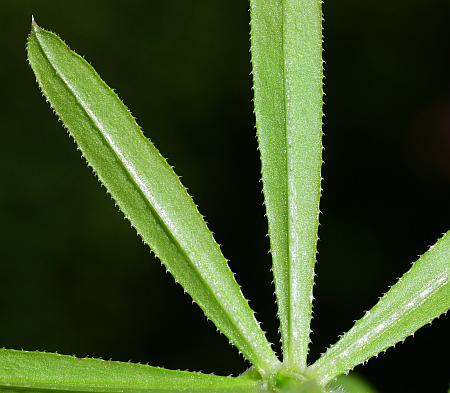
102	389
118	156
288	196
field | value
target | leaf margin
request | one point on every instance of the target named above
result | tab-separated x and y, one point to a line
259	351
429	284
49	372
287	80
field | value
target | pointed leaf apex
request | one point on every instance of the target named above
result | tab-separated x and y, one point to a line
34	25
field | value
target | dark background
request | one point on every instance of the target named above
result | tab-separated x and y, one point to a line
74	276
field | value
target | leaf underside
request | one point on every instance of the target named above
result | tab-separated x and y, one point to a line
22	371
146	189
286	41
422	294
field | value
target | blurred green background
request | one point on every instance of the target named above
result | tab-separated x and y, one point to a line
74	276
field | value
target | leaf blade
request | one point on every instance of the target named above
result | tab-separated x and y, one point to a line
36	371
422	294
146	189
286	38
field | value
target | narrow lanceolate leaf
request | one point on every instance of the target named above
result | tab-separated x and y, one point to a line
146	190
421	295
22	371
286	39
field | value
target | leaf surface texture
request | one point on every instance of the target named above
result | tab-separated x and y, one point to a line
146	189
286	40
22	371
421	295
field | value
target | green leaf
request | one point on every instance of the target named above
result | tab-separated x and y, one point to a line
22	371
421	295
146	189
286	39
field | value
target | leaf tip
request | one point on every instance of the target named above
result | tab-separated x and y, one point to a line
34	25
